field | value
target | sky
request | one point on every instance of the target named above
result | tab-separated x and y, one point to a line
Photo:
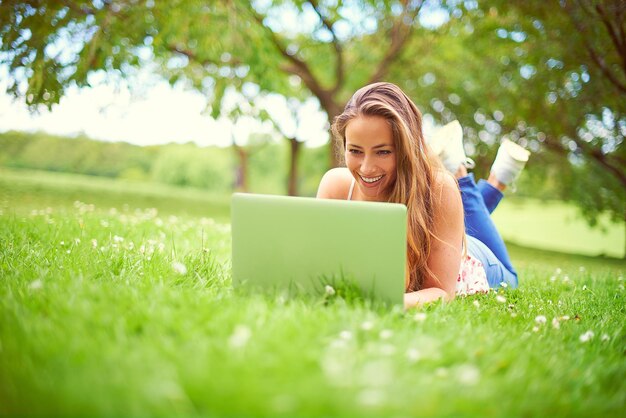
161	114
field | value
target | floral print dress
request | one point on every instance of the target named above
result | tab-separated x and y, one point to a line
472	277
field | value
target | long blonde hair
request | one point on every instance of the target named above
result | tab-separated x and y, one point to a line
416	166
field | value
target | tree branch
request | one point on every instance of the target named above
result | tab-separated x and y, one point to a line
204	61
298	67
620	44
602	159
585	7
596	58
593	153
82	9
339	66
400	33
603	67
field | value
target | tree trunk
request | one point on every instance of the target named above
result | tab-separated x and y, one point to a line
241	174
292	182
333	110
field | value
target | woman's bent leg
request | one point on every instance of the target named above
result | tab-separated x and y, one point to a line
478	224
495	270
491	195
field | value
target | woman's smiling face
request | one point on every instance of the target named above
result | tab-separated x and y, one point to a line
371	156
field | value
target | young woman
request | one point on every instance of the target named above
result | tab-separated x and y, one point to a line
453	246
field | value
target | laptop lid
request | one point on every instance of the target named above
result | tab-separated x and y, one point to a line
280	241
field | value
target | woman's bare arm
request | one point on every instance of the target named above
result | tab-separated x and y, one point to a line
446	247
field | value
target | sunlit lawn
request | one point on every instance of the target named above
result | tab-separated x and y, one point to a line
109	308
557	226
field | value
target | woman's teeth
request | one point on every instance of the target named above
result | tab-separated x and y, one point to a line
371	179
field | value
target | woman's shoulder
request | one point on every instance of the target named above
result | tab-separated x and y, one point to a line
335	184
446	190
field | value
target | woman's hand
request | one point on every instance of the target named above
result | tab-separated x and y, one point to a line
424	296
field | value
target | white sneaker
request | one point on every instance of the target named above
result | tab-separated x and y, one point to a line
510	161
447	143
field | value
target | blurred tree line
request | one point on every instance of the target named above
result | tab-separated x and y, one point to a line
210	168
188	165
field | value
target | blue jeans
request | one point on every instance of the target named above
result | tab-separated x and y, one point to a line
483	239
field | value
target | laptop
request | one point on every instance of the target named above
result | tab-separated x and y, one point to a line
281	242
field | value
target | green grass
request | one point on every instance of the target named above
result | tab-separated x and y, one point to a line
37	189
98	317
557	226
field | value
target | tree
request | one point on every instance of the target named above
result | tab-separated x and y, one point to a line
286	115
334	48
549	74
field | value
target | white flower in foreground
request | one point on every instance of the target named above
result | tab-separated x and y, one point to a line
367	325
503	284
476	303
420	317
179	267
586	336
330	291
36	284
240	336
540	319
117	238
385	334
605	337
468	374
555	323
413	355
500	299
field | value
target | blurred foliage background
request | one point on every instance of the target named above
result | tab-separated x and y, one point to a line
551	75
211	168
